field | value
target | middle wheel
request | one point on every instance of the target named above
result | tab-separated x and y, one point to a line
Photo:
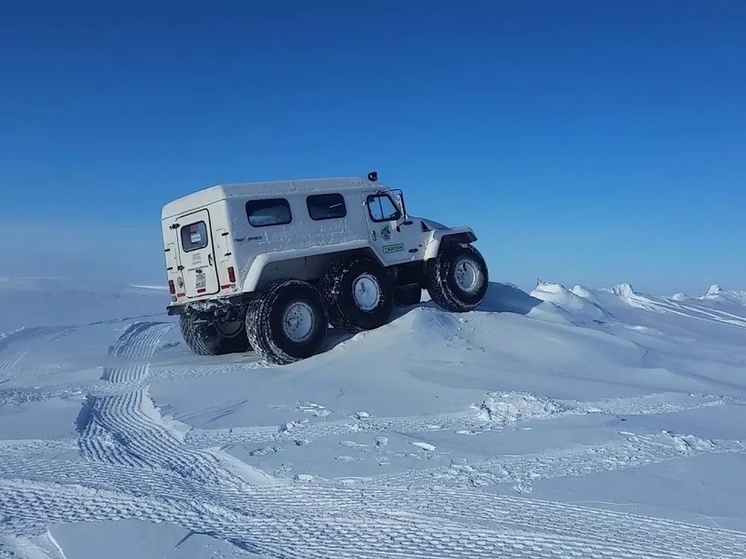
358	294
287	321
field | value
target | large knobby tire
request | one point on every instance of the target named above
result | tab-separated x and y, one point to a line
287	321
358	293
208	338
457	279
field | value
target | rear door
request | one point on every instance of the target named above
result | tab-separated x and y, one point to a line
197	255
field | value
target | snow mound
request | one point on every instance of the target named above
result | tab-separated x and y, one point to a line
505	297
578	306
624	291
512	407
715	289
717	294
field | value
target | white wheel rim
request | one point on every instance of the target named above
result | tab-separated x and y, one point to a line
298	321
229	329
366	291
467	275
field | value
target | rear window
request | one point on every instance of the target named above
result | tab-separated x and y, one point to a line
194	236
271	211
326	206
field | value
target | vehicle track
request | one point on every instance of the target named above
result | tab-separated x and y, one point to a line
19	343
322	521
327	521
133	465
111	426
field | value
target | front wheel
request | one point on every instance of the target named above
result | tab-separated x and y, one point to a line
457	278
287	322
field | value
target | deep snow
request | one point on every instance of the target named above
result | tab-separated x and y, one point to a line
565	422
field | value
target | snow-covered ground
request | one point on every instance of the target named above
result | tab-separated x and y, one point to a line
562	423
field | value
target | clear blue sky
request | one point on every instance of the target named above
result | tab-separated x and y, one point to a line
586	142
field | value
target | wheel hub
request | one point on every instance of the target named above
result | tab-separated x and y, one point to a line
467	275
366	291
298	321
230	328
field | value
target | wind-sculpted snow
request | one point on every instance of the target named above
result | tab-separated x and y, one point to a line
496	422
629	450
496	412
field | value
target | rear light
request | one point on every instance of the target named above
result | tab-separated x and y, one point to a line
231	274
171	286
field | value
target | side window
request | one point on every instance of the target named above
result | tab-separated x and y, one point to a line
194	236
272	211
382	208
326	206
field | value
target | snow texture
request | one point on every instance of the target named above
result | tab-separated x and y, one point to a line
558	423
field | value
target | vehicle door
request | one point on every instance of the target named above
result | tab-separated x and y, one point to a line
197	254
392	237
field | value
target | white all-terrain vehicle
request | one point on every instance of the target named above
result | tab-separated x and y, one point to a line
268	266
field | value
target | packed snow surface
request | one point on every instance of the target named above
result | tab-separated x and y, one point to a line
558	423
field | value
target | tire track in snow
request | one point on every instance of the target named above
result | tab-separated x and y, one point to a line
15	345
313	521
105	422
630	450
152	476
127	429
119	382
497	411
518	514
301	521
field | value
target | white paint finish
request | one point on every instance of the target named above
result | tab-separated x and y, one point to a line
263	190
262	253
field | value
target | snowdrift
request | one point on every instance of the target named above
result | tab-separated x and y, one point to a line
526	428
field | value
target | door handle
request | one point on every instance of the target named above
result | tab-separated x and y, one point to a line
209	259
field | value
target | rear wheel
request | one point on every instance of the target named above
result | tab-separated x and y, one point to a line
457	278
213	338
358	293
287	322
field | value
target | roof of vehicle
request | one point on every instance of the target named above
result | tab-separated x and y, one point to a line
270	188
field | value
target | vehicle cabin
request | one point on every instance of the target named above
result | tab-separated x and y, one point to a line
238	237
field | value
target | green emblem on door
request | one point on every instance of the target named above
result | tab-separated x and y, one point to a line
386	232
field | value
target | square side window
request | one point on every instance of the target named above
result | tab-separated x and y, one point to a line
271	211
326	206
